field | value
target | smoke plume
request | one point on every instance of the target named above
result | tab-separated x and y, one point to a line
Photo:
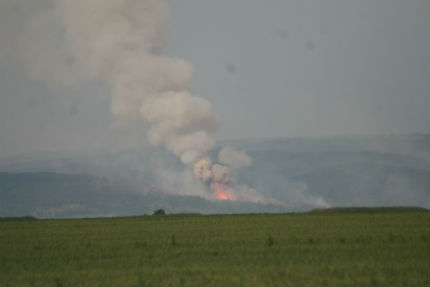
121	43
234	158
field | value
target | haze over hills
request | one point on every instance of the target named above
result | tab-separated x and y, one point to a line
142	108
290	174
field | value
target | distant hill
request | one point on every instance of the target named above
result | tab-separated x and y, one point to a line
49	195
375	209
301	174
391	170
341	178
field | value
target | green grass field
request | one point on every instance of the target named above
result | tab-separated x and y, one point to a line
389	248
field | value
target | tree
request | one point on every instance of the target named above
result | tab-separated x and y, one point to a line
159	212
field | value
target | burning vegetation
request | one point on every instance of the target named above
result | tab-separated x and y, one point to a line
217	179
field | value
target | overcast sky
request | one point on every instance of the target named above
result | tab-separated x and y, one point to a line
308	68
269	68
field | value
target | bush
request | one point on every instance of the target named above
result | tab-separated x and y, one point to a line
270	241
159	212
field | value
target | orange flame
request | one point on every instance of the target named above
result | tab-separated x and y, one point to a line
221	196
222	191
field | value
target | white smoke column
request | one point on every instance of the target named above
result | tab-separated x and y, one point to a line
120	41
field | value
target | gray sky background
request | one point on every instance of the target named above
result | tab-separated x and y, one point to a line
270	69
308	68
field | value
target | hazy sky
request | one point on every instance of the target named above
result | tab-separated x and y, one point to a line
305	68
269	68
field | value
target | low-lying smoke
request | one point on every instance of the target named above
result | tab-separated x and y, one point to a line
234	158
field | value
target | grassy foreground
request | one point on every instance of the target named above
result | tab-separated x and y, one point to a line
253	250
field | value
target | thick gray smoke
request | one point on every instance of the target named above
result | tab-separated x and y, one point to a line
234	158
121	42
